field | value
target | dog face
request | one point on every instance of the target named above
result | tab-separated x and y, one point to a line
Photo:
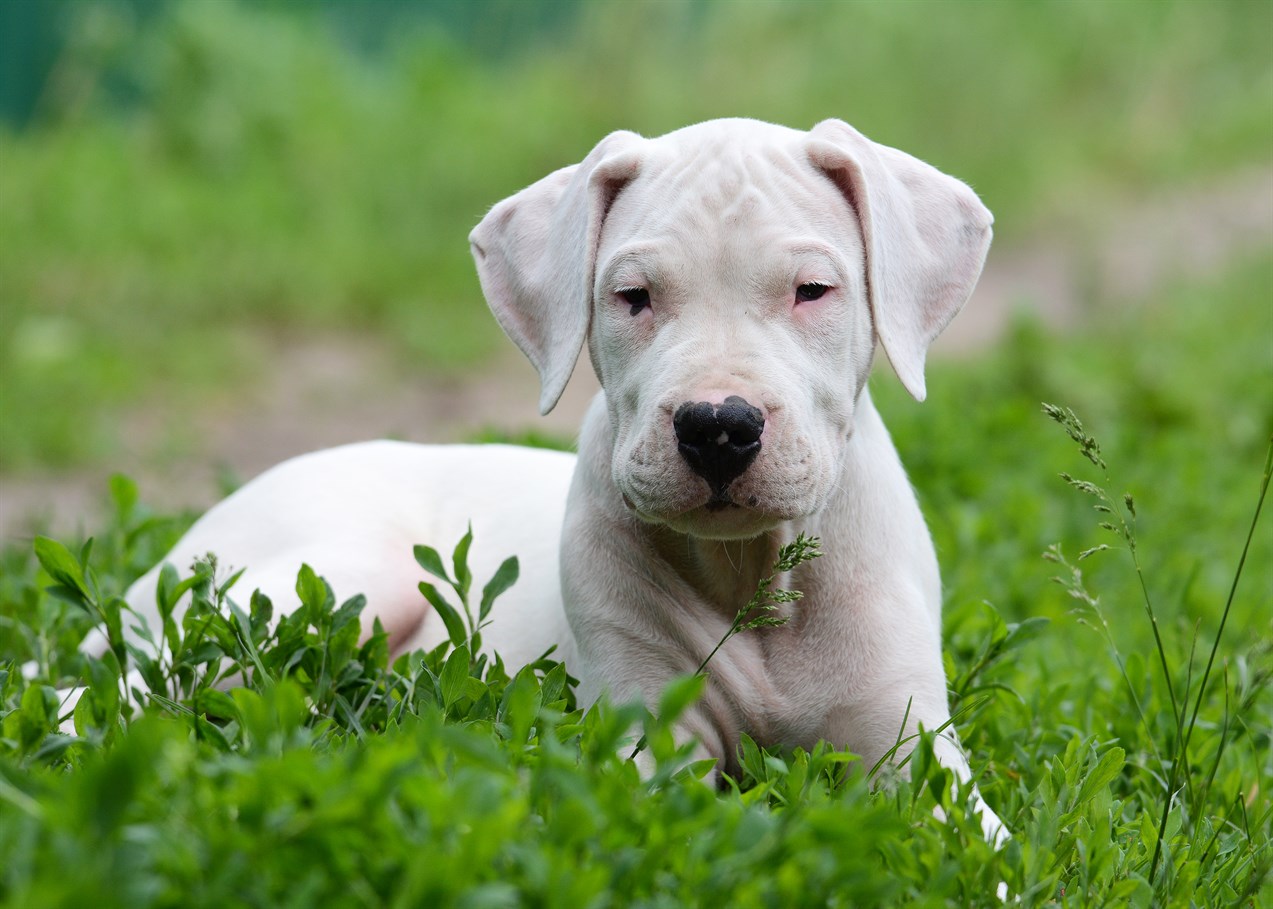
729	267
731	280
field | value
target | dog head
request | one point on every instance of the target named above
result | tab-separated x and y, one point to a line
731	280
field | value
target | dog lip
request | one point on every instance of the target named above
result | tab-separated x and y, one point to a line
713	517
720	499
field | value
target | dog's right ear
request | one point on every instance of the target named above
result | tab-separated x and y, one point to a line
536	255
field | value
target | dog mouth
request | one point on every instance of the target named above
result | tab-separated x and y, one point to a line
722	500
781	484
722	516
719	500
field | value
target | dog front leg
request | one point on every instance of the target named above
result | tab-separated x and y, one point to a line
611	669
873	727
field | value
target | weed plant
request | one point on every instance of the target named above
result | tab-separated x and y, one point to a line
260	760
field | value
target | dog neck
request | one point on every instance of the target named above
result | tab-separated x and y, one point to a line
723	574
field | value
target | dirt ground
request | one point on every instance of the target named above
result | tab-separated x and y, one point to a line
331	390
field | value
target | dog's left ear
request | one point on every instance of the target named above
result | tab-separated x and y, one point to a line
536	255
926	237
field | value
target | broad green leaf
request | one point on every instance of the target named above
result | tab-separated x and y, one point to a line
520	705
149	668
316	596
210	732
751	759
505	577
375	650
554	684
86	713
216	703
60	564
428	559
777	765
203	652
37	715
460	559
261	611
104	683
474	688
114	624
450	618
253	715
701	768
68	594
1026	630
233	579
798	774
348	612
51	748
86	552
1109	767
1134	893
278	711
454	673
171	588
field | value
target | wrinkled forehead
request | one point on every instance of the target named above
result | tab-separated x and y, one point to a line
733	191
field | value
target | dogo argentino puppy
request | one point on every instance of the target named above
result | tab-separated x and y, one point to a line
731	281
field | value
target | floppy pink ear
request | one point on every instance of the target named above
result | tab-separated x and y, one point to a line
926	237
536	255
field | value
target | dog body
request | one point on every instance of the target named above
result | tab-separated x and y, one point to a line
858	650
354	514
730	281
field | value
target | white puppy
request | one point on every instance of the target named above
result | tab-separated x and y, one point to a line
354	514
731	280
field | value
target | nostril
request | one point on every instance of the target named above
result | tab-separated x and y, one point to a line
736	421
719	441
743	422
695	423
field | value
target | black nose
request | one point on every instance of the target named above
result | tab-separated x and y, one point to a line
718	441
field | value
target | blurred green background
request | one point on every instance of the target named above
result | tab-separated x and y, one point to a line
189	188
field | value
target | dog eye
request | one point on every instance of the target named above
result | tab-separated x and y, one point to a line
807	293
637	297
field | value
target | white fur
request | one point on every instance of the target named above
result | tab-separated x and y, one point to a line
721	222
354	514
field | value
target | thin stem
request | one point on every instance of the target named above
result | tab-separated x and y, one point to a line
1206	675
1233	589
1176	712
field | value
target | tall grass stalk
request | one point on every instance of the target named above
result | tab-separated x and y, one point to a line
1177	768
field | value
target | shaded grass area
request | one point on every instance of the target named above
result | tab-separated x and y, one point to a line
441	780
210	181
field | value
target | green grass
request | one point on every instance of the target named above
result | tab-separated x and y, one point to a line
209	183
227	178
333	777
